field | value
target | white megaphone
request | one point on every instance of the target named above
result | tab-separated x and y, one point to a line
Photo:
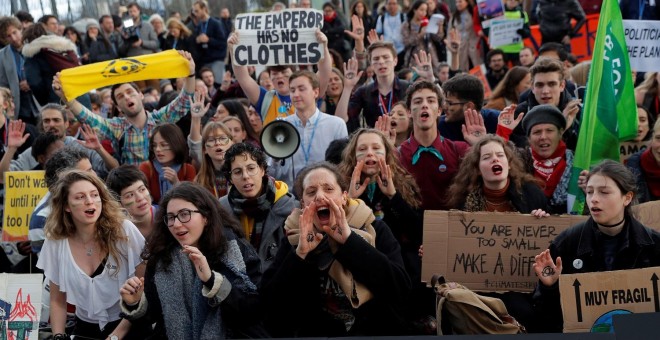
280	139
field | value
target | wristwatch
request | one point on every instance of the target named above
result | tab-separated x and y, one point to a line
113	337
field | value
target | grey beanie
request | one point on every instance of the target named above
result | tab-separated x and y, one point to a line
543	114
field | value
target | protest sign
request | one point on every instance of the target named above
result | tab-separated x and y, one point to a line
435	22
287	37
489	9
505	32
589	300
23	190
643	42
20	306
627	149
479	71
488	251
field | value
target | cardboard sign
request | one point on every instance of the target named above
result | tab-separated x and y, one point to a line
479	71
489	9
505	32
643	42
589	300
20	306
627	149
488	251
287	37
23	190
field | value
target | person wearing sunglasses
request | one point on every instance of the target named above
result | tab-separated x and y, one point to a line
201	276
260	202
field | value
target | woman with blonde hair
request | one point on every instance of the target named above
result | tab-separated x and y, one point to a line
178	36
6	103
90	250
647	93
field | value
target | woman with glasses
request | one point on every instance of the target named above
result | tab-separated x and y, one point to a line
167	164
201	277
261	203
89	251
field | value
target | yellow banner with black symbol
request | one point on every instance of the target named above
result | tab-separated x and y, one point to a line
80	80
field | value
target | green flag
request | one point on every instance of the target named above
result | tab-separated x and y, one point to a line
610	113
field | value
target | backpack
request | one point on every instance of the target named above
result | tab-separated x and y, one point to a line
466	312
382	20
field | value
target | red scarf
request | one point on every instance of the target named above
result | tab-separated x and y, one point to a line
330	18
651	172
550	169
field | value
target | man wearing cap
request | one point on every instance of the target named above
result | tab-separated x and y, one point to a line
547	156
549	87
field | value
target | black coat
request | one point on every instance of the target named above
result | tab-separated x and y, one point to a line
639	248
292	294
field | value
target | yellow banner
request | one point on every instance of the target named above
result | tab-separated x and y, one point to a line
23	190
80	80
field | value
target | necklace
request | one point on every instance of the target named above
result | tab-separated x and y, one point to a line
88	250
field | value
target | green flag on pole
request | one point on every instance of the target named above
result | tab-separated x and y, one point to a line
610	113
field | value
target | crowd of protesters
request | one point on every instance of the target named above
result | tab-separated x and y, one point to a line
166	218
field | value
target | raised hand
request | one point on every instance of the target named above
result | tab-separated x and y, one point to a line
506	119
424	66
57	87
132	290
384	125
384	180
191	61
570	112
91	139
309	237
197	108
15	137
454	41
357	188
233	39
474	128
372	37
338	229
199	260
546	270
358	28
351	73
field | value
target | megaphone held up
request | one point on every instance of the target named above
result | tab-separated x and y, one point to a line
280	139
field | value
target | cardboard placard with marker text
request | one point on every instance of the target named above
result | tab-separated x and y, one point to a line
491	251
589	300
488	251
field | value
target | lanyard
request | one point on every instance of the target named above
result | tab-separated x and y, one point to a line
382	103
204	26
283	110
641	9
174	44
309	145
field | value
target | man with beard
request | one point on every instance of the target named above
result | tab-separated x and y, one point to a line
53	120
130	134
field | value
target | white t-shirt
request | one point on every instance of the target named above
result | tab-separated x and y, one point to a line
96	299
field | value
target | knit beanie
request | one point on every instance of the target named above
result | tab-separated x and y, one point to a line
543	114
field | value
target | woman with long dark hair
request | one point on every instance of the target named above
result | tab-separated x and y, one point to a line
202	275
516	81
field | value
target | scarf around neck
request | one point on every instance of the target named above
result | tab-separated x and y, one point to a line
163	183
359	217
187	314
651	172
550	169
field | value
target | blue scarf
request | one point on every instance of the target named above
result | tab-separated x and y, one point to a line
163	183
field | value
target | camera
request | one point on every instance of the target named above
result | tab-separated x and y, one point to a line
129	31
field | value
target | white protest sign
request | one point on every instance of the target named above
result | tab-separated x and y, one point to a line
287	37
505	32
643	42
435	22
